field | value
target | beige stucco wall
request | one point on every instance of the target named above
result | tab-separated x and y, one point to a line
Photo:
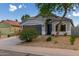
68	28
43	20
15	29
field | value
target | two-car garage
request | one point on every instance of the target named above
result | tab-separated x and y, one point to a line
37	28
33	24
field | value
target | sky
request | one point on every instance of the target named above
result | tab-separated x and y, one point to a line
13	11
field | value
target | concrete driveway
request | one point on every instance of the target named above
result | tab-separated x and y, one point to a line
10	41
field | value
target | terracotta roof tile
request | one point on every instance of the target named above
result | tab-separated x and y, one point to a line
13	23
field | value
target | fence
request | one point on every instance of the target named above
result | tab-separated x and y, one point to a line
75	31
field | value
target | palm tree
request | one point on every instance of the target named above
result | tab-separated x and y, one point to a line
46	9
24	18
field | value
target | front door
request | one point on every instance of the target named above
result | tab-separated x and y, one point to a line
48	27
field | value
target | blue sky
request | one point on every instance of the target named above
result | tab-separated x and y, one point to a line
14	11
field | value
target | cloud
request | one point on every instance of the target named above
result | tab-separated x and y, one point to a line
24	6
75	13
20	6
69	15
12	7
74	8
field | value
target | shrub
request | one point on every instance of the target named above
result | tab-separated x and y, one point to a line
65	34
49	38
72	40
28	35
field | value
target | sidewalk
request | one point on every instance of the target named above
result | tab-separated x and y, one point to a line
41	50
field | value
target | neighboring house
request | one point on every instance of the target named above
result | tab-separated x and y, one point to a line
9	27
4	29
49	25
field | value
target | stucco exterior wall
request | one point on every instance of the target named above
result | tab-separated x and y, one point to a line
54	23
4	29
68	28
15	29
67	23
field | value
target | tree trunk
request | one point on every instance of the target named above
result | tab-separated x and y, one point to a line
59	24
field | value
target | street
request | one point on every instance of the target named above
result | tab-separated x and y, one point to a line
13	53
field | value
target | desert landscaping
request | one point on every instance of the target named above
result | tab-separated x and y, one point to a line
61	42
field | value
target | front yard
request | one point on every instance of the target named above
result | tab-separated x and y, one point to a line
57	42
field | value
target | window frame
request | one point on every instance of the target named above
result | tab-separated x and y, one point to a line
60	27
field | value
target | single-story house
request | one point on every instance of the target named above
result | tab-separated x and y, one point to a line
8	27
4	29
49	25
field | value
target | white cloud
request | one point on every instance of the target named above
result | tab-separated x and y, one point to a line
20	6
69	15
24	6
74	8
75	13
12	7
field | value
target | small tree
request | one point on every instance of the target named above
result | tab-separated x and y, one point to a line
49	39
28	35
72	40
24	18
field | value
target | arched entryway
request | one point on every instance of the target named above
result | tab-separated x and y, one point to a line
48	26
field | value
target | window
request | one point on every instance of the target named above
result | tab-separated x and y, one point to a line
62	27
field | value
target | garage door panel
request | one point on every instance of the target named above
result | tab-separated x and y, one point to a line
38	28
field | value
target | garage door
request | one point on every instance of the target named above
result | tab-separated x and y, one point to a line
38	28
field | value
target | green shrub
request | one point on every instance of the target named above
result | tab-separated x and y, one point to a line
49	39
28	35
72	40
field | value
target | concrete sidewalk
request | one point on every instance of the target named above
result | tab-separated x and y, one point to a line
41	50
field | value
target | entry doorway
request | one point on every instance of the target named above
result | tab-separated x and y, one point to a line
48	27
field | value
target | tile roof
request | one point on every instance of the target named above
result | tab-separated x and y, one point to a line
13	23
